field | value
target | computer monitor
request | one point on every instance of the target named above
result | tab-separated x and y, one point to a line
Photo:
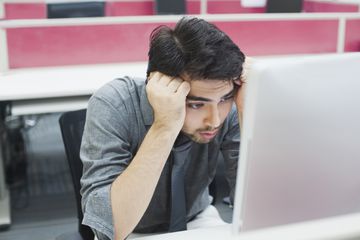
300	144
284	6
76	9
167	7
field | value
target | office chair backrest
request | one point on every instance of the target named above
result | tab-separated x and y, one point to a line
72	127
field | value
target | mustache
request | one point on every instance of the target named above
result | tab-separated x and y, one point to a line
209	129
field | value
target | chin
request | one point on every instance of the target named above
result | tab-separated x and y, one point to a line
200	140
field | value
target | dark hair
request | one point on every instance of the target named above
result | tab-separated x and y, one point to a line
195	48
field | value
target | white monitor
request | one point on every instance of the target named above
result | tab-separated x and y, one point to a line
300	144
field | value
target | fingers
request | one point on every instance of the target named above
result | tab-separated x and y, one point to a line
160	78
179	87
171	83
165	80
154	76
183	89
174	84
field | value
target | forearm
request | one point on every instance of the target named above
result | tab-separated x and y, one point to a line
132	191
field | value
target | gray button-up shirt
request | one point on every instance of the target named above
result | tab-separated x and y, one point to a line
118	118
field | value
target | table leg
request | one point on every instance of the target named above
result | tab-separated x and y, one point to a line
5	219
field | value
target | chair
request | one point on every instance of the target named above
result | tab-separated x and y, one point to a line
72	127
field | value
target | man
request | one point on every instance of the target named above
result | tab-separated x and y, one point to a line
139	134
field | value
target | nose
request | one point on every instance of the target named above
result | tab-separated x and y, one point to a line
212	119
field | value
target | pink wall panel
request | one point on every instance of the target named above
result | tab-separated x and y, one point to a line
230	6
314	6
25	10
193	7
53	46
146	7
135	8
129	8
352	36
283	37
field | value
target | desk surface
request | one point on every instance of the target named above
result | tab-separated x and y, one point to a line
339	227
59	89
35	83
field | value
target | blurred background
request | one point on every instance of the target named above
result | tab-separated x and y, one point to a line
54	54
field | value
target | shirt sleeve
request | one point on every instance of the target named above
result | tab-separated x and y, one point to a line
230	151
105	153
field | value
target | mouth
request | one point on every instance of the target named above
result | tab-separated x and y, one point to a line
208	134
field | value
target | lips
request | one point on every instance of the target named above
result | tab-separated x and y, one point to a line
208	134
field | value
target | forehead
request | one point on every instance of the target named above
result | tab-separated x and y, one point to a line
208	88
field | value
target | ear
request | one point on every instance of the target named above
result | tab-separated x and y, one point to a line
238	82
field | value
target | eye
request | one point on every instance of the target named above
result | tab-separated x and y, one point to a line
194	105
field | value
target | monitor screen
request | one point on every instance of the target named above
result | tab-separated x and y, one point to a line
163	7
284	6
75	9
299	154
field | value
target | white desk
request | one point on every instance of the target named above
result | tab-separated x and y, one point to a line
341	227
42	90
46	90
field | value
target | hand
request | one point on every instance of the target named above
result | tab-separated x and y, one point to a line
240	95
167	96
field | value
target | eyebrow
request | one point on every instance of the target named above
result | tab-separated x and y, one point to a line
202	99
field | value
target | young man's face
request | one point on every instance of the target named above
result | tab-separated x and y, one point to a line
207	105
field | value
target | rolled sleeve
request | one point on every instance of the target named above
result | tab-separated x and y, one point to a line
105	153
97	214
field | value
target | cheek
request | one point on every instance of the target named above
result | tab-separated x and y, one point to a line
193	119
225	110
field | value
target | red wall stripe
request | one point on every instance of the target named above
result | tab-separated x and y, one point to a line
283	37
315	6
193	7
146	7
230	6
25	10
129	8
143	8
352	35
71	45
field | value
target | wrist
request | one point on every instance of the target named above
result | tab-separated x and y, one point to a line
168	127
